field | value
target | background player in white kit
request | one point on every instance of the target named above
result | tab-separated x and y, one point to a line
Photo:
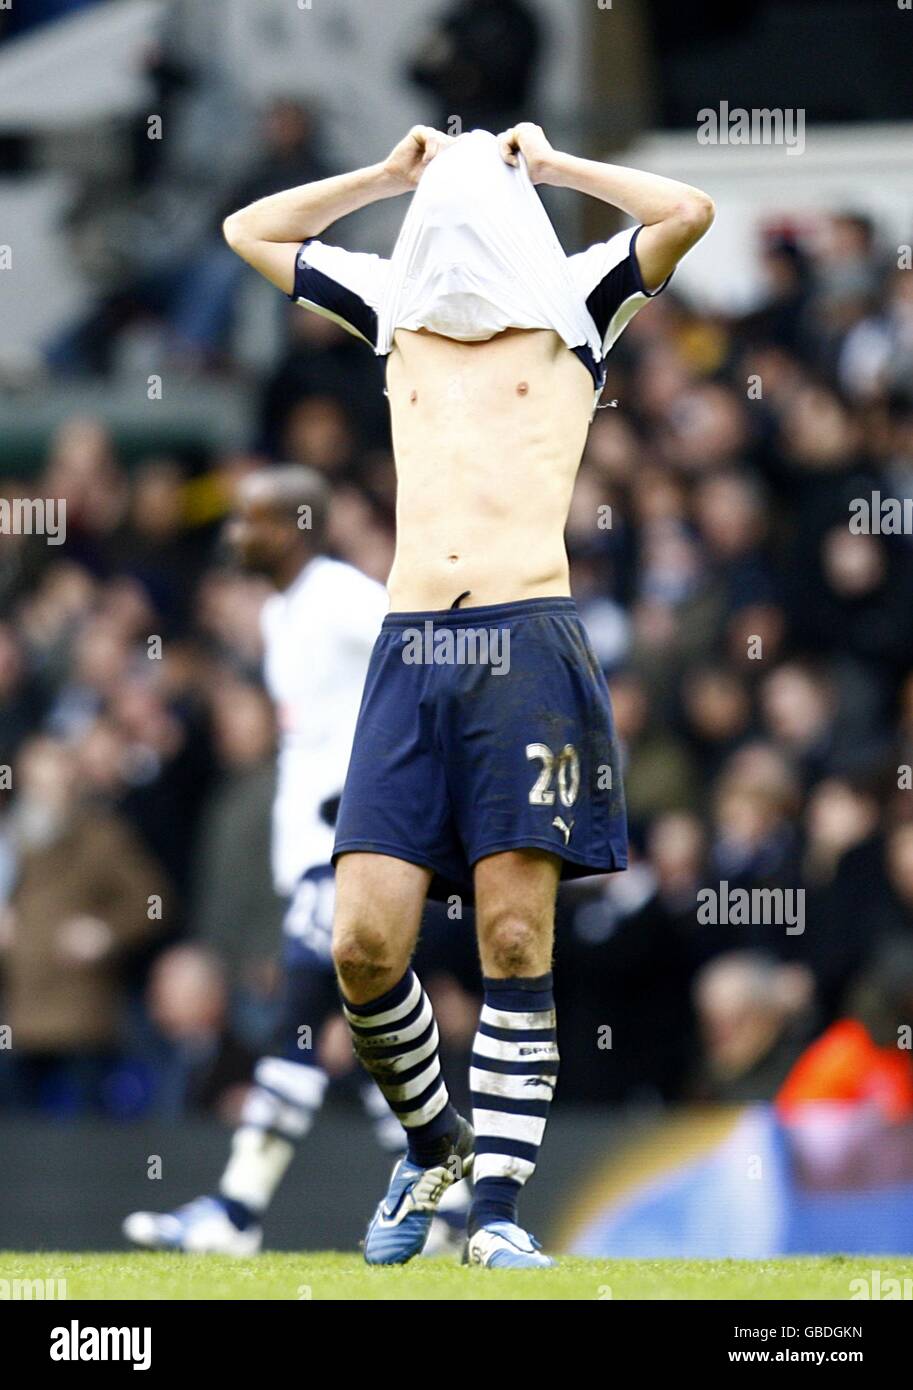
318	632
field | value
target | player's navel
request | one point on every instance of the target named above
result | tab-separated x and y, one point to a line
453	559
413	397
522	388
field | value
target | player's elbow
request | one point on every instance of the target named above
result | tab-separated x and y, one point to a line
235	232
694	216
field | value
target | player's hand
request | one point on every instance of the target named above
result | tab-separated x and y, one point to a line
411	157
530	141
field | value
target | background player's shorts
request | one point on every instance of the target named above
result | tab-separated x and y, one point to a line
307	927
481	730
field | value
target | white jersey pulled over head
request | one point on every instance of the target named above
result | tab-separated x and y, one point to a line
318	635
477	254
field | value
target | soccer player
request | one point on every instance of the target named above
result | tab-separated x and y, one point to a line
318	630
491	777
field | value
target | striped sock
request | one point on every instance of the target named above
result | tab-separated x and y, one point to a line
512	1079
278	1111
396	1040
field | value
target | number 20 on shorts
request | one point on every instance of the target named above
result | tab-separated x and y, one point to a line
562	768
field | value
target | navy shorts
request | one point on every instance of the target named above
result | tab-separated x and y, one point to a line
307	928
482	730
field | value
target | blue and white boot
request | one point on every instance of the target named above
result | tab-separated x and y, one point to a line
201	1227
400	1226
502	1245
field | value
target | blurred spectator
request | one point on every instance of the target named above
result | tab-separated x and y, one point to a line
861	1069
82	471
479	64
167	768
843	867
780	320
755	1017
235	909
86	895
798	710
156	547
718	715
877	353
200	1063
846	278
658	772
320	364
20	697
180	286
626	954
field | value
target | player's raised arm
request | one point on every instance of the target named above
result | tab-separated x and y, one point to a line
267	233
674	215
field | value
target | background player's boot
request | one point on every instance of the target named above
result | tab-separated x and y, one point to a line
502	1245
202	1227
402	1222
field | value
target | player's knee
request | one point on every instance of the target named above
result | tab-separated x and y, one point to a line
362	957
514	945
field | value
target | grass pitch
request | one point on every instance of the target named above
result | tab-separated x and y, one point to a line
322	1276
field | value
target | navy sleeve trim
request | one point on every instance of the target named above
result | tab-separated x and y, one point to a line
293	296
616	287
607	297
321	292
638	274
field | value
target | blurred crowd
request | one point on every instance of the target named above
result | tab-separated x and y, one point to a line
759	653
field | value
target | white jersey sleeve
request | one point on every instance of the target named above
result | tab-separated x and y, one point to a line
608	277
345	286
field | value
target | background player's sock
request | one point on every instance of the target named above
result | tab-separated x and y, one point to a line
277	1113
512	1079
396	1040
239	1214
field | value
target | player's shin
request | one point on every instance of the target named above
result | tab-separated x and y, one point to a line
512	1079
277	1114
396	1040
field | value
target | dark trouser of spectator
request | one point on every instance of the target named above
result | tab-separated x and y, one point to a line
194	298
59	1084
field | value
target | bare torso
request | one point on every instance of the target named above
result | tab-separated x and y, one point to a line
487	439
